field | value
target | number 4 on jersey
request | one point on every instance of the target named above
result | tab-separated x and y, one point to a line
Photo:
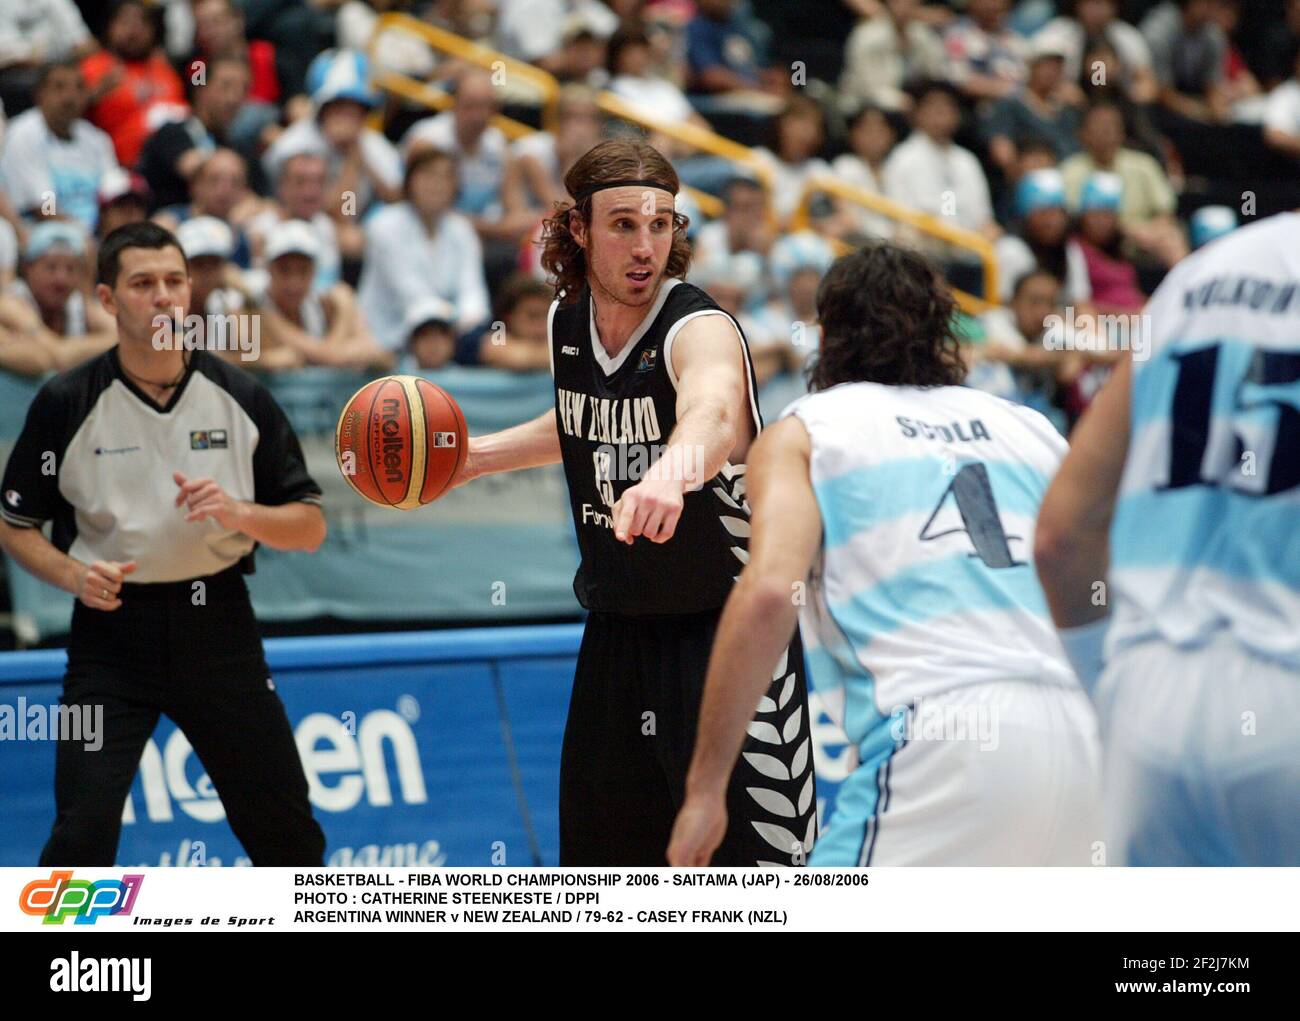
972	495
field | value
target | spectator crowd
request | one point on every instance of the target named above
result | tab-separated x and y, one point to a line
1086	145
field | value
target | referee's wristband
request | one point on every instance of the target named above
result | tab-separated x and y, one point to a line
1084	647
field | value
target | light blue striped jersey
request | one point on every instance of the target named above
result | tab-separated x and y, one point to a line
1206	533
925	581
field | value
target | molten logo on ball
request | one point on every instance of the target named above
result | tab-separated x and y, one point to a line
391	439
400	441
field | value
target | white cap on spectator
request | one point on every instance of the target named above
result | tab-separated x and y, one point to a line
1047	44
117	183
292	237
580	22
205	235
747	268
740	269
429	309
597	19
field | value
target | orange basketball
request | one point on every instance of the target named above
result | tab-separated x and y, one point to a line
400	441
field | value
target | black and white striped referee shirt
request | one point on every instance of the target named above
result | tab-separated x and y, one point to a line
97	454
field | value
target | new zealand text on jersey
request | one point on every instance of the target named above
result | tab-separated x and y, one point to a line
608	419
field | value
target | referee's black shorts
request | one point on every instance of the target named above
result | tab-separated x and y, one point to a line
189	650
629	739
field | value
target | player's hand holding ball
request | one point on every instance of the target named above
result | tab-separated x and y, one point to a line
401	442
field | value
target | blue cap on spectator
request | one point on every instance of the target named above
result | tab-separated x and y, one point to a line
51	234
340	74
1210	222
795	252
1040	189
1102	191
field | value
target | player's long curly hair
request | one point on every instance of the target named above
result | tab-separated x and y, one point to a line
886	317
614	160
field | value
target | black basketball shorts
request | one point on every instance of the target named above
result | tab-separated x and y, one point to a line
629	739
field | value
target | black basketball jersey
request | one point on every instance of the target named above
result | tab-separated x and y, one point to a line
615	417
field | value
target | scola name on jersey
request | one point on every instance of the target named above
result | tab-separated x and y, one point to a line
607	419
914	427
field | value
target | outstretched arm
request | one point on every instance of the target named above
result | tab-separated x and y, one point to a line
711	422
756	625
522	446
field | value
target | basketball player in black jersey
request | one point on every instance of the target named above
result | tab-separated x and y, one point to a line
655	411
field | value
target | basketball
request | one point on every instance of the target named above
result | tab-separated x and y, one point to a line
400	441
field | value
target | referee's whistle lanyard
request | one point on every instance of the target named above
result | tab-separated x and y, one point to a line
168	388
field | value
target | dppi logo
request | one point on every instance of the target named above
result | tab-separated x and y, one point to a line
60	896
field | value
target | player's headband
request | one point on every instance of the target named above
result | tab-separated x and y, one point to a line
587	192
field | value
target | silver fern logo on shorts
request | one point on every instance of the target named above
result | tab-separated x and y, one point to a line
780	751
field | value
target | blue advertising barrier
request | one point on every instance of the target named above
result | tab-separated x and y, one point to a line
429	748
420	748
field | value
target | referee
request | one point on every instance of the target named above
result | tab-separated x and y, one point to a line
161	470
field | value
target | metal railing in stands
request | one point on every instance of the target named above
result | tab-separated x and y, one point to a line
693	135
924	223
548	90
696	137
